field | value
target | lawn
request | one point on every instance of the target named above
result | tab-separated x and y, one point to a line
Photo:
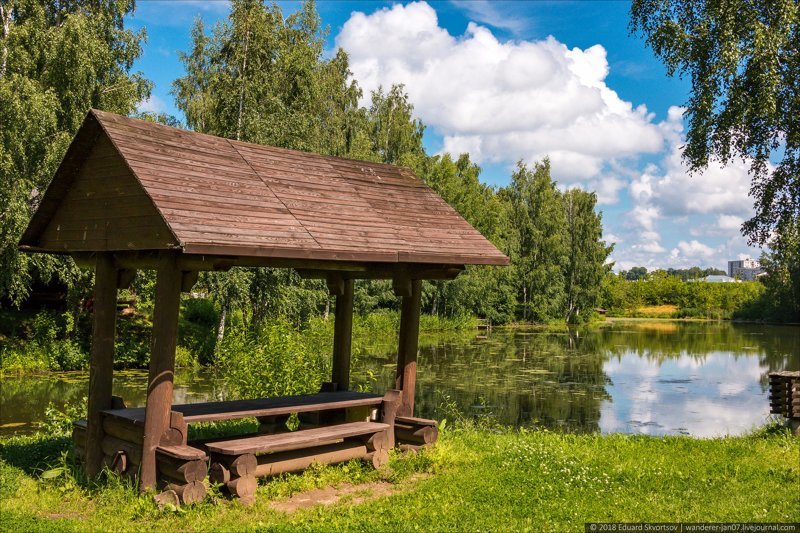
474	479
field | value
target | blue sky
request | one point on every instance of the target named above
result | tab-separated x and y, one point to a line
509	81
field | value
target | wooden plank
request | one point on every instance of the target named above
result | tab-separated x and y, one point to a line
297	460
342	336
416	421
295	440
406	375
88	219
162	365
78	151
101	359
249	250
281	405
185	453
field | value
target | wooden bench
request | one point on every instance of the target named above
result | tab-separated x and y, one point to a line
237	463
182	470
263	407
282	442
79	429
412	432
234	461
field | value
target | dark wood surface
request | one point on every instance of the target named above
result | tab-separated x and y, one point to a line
282	405
416	421
106	204
101	359
185	453
158	187
162	365
294	440
342	336
408	344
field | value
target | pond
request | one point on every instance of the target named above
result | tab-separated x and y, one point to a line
632	376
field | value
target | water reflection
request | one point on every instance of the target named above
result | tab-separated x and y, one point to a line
649	377
655	378
717	395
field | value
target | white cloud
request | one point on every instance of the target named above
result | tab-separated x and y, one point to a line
502	101
729	222
153	104
725	226
644	216
651	247
716	190
695	248
668	200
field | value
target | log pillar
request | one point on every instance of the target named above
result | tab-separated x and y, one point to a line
101	358
342	331
406	375
162	364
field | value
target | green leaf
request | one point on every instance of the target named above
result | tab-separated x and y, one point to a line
53	473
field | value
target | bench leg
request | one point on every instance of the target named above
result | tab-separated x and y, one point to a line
389	408
378	448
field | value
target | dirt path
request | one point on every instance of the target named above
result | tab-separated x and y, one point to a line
354	494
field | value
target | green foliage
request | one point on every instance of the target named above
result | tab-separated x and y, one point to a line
693	299
685	274
274	360
782	265
743	58
57	60
211	430
586	255
50	345
58	422
261	77
556	250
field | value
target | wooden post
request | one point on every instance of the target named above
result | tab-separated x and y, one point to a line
342	332
162	364
101	358
406	375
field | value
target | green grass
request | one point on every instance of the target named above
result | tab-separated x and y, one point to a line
477	480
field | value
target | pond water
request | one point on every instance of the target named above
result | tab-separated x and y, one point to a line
650	377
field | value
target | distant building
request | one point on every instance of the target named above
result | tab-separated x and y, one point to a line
744	269
718	279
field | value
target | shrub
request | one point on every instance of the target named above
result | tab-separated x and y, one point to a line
184	358
272	361
200	311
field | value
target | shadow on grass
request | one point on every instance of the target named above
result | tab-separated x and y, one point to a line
35	453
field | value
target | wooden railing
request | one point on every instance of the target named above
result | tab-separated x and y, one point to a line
784	397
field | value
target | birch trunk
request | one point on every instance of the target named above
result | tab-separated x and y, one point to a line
5	16
221	328
244	83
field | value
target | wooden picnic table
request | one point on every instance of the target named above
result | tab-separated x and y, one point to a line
280	405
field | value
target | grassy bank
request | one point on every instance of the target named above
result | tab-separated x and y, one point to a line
474	479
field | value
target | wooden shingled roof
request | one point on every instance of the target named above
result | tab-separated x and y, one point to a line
128	184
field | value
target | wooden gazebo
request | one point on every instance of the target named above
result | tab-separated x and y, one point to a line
132	195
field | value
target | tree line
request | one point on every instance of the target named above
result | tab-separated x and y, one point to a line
685	274
263	77
674	297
